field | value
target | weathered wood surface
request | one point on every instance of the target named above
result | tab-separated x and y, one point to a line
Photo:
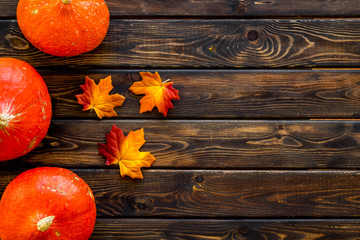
229	194
223	94
220	8
201	229
209	144
217	174
155	43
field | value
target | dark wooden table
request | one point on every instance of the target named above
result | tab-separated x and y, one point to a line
264	144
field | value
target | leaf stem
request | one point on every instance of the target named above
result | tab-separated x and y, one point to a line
167	80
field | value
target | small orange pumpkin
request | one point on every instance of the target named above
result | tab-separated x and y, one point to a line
25	108
63	27
47	203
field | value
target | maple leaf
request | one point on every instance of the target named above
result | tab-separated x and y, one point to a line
125	152
97	97
157	93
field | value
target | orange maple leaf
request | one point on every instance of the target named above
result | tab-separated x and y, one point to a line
125	152
157	93
97	97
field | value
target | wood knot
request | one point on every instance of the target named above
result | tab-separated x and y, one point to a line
199	179
17	42
241	8
144	204
134	77
243	230
253	35
141	206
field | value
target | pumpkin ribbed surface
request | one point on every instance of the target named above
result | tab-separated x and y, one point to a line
25	108
47	203
63	27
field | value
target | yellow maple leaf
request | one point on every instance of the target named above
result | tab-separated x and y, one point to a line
96	97
125	152
157	93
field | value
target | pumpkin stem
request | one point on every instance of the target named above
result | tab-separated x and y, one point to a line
45	223
3	121
66	1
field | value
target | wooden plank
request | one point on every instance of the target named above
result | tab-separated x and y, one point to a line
223	93
207	144
229	194
8	8
210	144
219	8
229	43
200	229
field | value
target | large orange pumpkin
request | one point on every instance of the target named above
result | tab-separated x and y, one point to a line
63	27
25	108
47	203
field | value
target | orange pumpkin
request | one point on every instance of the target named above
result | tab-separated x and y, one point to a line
47	203
63	27
25	108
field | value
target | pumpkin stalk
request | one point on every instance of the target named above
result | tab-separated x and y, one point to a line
45	223
66	1
3	121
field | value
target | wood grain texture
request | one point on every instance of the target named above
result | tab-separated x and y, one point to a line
8	8
218	174
203	229
206	43
206	144
219	8
230	94
226	194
